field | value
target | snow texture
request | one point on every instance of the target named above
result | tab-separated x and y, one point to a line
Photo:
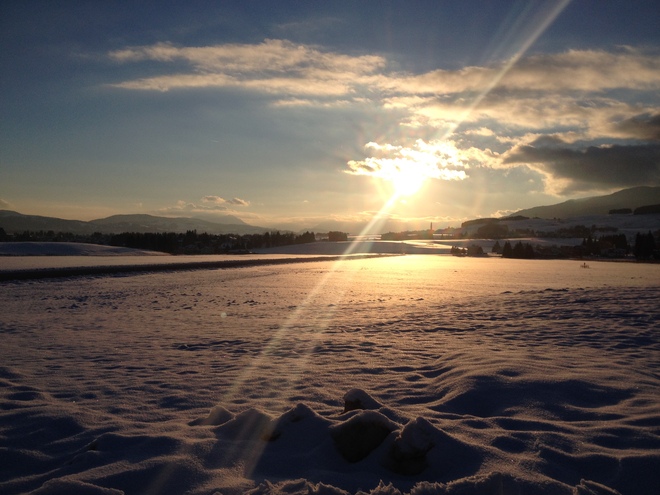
418	374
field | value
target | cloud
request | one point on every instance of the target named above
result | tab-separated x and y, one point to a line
188	207
571	71
272	67
281	67
503	213
207	205
594	167
434	159
567	95
481	131
4	205
573	91
542	91
217	200
516	113
644	127
274	56
496	116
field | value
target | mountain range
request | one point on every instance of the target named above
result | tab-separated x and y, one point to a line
13	222
631	198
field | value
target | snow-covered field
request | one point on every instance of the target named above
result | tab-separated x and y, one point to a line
68	249
413	374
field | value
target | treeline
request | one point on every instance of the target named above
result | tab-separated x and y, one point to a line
607	246
180	243
492	228
642	210
518	251
612	246
193	243
472	250
617	246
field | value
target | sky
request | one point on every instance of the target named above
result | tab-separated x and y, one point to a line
304	114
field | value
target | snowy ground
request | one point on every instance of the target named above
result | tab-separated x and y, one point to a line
422	374
32	260
68	249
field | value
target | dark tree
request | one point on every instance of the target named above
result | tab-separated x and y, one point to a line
518	250
507	251
590	246
644	246
305	238
529	252
334	236
475	250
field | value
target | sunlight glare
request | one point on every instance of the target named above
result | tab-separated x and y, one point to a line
408	167
407	182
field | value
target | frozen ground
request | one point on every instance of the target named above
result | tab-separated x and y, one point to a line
410	374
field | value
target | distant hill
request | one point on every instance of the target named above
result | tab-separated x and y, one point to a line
598	205
13	222
149	223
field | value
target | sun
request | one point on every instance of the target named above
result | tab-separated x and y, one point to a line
407	168
407	182
408	175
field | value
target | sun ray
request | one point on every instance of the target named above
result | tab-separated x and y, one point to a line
407	172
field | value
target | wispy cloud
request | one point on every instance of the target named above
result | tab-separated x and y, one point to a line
206	205
582	97
274	66
538	90
574	70
217	200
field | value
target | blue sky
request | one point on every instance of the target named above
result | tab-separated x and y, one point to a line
289	114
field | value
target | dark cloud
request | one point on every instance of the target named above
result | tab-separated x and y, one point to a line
594	167
645	127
